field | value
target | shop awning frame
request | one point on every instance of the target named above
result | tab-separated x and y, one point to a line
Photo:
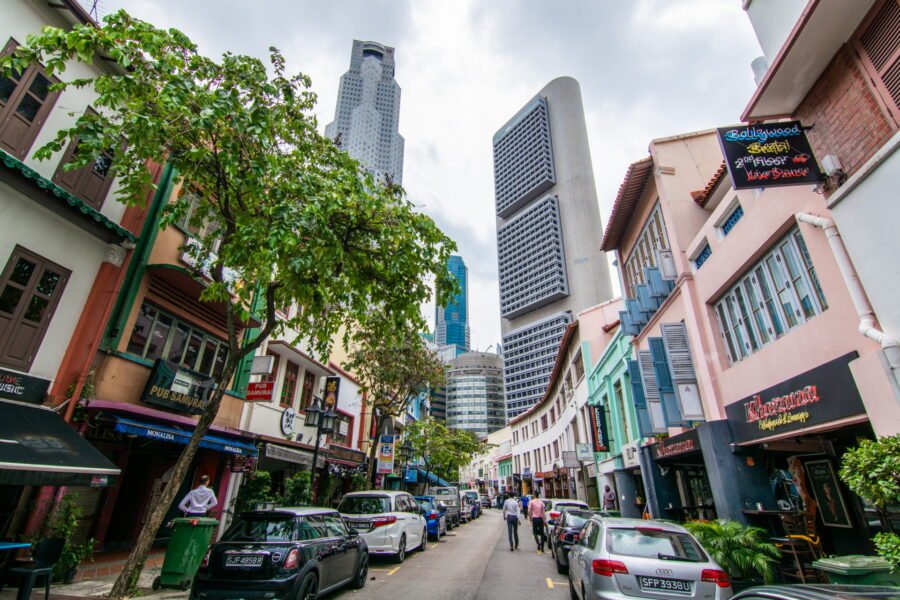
173	435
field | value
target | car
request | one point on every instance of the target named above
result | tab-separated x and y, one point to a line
283	554
554	506
474	502
819	591
390	522
450	496
566	531
435	516
617	558
485	501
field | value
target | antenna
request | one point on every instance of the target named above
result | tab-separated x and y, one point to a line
94	11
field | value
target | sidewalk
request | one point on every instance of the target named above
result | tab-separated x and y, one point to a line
94	588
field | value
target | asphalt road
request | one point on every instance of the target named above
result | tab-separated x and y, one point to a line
472	562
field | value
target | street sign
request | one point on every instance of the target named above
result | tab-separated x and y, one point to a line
260	391
584	452
570	459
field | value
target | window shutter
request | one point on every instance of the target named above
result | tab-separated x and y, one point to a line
26	111
878	46
664	381
640	403
89	183
681	365
651	392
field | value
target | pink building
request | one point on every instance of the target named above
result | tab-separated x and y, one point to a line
753	370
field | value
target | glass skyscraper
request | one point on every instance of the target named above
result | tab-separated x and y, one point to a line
451	322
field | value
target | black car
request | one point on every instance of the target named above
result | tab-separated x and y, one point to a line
283	554
567	528
819	592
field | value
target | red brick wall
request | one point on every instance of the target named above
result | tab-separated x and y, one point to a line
849	121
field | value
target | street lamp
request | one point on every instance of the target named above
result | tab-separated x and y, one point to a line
323	420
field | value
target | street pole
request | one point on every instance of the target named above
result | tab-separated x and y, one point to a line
312	479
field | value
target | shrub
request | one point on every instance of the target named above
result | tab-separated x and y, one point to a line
743	551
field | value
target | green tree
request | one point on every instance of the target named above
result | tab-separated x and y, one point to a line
294	219
430	441
298	489
255	488
462	447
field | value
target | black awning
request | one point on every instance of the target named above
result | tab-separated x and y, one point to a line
37	447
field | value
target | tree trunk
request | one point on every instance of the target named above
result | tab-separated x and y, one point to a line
373	451
427	475
126	583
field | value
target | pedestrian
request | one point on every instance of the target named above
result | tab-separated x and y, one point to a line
536	514
511	514
524	504
609	498
199	500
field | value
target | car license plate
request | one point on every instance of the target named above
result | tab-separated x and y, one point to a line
243	560
678	586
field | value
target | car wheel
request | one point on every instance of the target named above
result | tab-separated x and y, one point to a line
424	545
359	582
401	550
309	587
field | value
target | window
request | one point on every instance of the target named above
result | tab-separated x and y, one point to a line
731	220
578	366
30	289
701	256
777	294
25	102
543	422
289	385
309	381
273	376
196	220
651	543
556	449
90	183
643	253
335	525
876	43
342	427
620	405
157	334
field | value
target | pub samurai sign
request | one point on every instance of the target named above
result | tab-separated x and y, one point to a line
768	155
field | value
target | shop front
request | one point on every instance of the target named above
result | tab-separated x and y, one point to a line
555	483
679	479
343	464
283	458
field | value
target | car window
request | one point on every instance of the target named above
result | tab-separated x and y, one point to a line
426	504
585	534
364	505
261	528
335	526
594	536
575	518
400	504
653	543
309	528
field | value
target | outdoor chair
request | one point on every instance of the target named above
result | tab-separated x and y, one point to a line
799	548
45	556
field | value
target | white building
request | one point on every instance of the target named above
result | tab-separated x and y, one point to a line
367	116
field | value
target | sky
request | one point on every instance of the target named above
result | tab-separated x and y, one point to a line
647	69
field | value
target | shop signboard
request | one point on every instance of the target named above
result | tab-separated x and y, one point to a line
24	388
243	464
332	389
385	454
584	452
570	459
290	455
347	454
768	155
683	443
599	428
825	488
260	391
177	389
816	397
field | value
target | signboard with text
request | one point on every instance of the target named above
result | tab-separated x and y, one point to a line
332	389
683	443
24	388
177	389
599	428
385	454
768	155
260	391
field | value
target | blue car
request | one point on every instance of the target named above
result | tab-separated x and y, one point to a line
435	516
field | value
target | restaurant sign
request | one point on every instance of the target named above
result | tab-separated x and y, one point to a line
178	389
346	454
15	386
599	428
821	395
768	155
683	443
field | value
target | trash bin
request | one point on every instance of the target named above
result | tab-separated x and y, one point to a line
856	569
189	542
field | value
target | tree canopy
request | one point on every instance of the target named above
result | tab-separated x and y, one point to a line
443	451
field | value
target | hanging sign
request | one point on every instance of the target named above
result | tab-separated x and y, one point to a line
683	443
288	420
178	389
385	454
23	388
570	459
599	428
768	155
332	388
260	391
584	452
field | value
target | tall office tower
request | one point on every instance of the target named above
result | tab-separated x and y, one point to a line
368	111
474	393
548	235
451	322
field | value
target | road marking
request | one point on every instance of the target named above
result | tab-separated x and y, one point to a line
392	571
551	584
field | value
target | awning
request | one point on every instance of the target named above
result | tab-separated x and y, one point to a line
432	478
37	447
181	436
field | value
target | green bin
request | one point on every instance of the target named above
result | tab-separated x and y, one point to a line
855	569
189	542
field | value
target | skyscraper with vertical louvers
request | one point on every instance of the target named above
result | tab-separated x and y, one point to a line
368	111
451	322
548	235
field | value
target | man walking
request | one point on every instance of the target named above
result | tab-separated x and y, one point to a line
199	500
511	514
536	514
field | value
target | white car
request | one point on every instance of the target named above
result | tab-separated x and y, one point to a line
390	522
555	506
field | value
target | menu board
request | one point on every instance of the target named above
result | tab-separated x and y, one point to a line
768	155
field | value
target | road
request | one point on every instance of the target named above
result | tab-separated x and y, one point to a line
472	562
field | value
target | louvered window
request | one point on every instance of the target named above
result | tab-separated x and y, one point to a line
671	410
702	256
732	219
651	392
90	183
645	429
878	45
681	366
25	103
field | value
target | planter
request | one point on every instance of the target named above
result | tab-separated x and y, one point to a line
69	576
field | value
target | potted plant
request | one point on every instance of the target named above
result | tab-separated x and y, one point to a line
743	551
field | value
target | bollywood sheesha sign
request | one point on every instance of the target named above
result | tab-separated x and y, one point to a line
768	155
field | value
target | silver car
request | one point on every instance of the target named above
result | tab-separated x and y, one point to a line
615	559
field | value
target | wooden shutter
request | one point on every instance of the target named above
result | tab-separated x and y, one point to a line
651	392
90	183
25	109
877	44
681	366
664	381
30	289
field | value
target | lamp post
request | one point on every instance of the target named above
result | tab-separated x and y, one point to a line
406	451
323	421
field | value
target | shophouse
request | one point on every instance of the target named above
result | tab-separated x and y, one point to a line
500	481
65	241
753	375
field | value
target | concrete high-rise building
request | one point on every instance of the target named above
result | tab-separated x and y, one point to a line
474	393
548	235
368	111
451	322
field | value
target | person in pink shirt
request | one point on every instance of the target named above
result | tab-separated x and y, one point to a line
536	514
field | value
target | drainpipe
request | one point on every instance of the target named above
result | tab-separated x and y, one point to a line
867	323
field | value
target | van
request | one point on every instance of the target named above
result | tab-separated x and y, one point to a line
450	496
472	502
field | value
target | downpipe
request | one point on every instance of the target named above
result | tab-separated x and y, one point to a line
867	322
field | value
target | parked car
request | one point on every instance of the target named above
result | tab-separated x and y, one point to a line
435	516
390	522
450	497
485	501
819	592
283	553
566	531
615	558
554	506
474	502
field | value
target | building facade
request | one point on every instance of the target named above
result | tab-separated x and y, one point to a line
548	222
451	322
367	116
474	393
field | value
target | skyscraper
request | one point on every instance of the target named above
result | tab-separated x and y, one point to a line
548	235
474	393
451	322
368	111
